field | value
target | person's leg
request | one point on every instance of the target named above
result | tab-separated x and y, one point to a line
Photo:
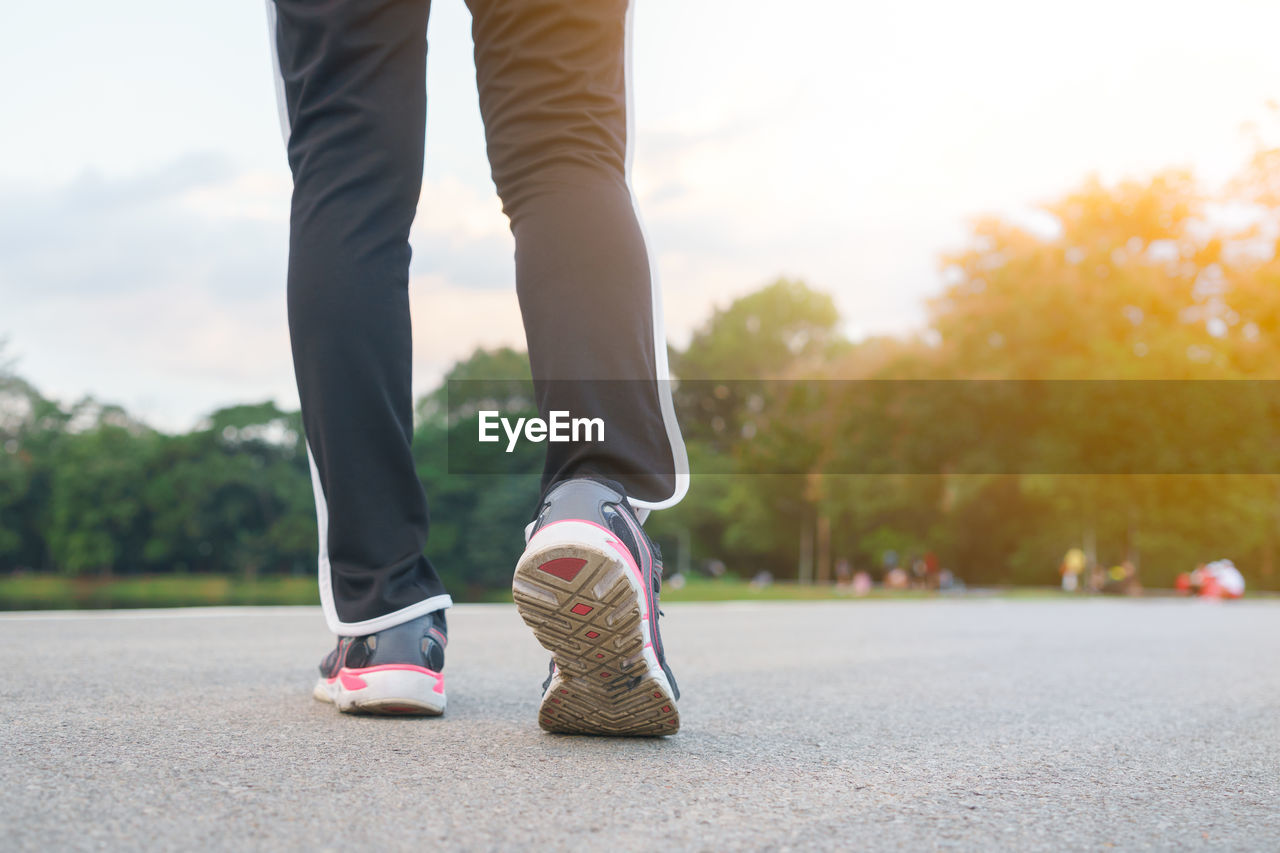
552	76
352	75
553	83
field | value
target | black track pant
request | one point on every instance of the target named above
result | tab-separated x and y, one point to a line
552	81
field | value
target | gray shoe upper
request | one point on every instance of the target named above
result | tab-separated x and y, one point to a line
419	642
589	500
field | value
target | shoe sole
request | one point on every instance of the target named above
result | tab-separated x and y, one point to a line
391	690
579	590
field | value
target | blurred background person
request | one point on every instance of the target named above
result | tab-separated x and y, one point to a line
1071	568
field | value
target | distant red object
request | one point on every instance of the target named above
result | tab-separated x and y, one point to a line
1219	579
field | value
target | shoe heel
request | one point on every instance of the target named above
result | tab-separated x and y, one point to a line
577	589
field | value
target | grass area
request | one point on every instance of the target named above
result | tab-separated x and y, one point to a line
737	589
54	592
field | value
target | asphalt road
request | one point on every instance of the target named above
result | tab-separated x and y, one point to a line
915	725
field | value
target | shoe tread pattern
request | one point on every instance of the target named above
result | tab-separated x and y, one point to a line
604	686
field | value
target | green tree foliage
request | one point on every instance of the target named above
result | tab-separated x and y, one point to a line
740	513
30	427
780	329
1133	282
98	518
233	495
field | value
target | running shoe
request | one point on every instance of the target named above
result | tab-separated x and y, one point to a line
587	584
395	671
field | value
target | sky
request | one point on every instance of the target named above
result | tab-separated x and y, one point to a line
144	191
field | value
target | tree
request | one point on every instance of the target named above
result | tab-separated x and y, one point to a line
97	520
233	495
1136	282
30	429
742	401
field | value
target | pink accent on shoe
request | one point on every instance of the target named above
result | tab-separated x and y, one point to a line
351	682
351	679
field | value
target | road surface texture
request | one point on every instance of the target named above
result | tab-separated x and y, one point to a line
912	725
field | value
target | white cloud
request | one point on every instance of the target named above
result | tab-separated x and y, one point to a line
165	291
253	196
450	320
